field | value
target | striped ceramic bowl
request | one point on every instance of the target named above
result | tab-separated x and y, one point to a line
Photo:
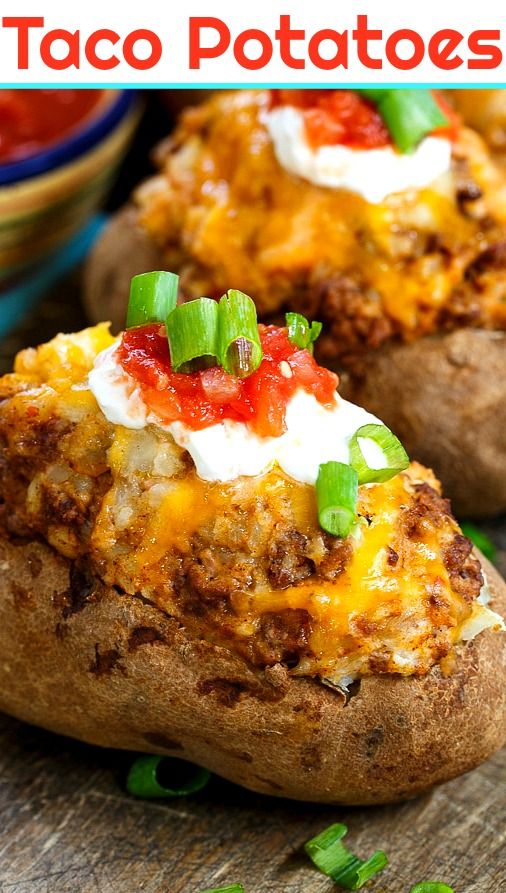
48	198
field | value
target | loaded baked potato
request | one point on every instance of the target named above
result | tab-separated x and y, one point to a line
179	575
402	256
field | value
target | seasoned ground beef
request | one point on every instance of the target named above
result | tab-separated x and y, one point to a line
281	637
244	564
288	561
465	571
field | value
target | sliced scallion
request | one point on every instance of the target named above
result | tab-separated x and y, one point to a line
154	776
354	875
300	332
152	297
479	539
234	888
192	330
240	350
409	115
394	455
331	857
431	887
326	848
336	494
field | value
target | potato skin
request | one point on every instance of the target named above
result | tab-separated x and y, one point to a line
110	669
445	398
122	251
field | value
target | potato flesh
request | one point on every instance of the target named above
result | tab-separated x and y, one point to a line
243	564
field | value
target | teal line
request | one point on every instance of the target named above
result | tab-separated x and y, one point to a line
137	85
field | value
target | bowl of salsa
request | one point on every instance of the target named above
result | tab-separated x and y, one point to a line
59	155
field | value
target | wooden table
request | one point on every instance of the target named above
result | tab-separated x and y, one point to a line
67	825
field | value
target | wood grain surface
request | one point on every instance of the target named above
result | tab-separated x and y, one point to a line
67	825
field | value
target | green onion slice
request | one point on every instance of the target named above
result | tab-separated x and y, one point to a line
240	350
192	330
355	873
152	297
395	456
336	495
431	887
326	848
479	539
153	776
373	95
331	856
300	332
234	888
409	115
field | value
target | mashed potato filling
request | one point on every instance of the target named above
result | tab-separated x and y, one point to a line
242	563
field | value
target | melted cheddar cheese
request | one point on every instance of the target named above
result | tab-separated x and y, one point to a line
245	563
225	211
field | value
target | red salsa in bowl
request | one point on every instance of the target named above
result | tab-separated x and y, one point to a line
33	120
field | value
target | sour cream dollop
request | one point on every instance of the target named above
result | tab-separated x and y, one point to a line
372	173
230	449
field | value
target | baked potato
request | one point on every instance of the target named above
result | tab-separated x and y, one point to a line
445	390
89	661
148	604
391	276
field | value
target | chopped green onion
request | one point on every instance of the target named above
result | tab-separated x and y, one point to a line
355	873
431	887
300	332
153	776
394	454
326	848
373	95
483	543
192	330
409	115
240	350
234	888
152	297
336	494
332	858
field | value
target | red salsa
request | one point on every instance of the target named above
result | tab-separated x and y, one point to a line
337	117
344	117
200	399
31	120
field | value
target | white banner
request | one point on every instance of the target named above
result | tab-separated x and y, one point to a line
223	43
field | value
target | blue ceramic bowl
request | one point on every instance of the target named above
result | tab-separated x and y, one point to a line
47	200
101	122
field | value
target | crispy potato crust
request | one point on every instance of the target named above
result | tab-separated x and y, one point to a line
444	396
87	661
